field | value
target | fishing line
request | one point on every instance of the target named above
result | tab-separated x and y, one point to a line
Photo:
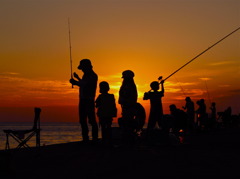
207	92
180	87
202	53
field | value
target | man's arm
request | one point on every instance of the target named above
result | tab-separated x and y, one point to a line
76	76
75	82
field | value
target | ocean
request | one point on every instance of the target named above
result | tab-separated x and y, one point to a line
51	133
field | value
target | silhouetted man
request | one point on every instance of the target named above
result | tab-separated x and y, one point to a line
87	92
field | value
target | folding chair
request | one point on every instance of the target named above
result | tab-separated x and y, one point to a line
23	136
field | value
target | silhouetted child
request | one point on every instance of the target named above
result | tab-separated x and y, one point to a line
156	109
105	103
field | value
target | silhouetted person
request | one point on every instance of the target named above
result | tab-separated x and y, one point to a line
180	120
105	103
156	109
202	117
87	91
227	117
213	117
140	117
190	110
235	121
128	99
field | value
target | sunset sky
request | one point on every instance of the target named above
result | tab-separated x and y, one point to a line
150	37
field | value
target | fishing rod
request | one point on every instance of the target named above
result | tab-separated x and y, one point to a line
202	53
70	48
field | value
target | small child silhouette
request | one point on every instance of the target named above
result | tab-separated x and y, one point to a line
106	110
156	110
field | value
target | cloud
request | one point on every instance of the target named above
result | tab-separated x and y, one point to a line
224	86
110	77
177	84
205	79
31	85
222	63
15	89
235	91
8	73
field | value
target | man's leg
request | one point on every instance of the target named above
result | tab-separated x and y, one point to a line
83	120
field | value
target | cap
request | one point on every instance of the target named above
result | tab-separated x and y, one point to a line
85	63
127	74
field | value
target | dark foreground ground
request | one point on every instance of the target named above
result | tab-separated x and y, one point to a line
211	154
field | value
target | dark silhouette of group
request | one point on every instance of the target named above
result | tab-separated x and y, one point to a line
179	122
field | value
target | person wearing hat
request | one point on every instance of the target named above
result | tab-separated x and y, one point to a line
128	100
128	90
190	110
87	92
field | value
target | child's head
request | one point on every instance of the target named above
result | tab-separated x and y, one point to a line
104	87
154	85
172	107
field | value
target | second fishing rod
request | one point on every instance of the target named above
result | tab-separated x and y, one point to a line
201	53
161	80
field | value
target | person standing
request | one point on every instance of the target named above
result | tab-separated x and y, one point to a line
128	100
190	110
156	109
105	103
180	122
202	116
87	92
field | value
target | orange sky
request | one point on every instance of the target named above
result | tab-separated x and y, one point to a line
152	38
